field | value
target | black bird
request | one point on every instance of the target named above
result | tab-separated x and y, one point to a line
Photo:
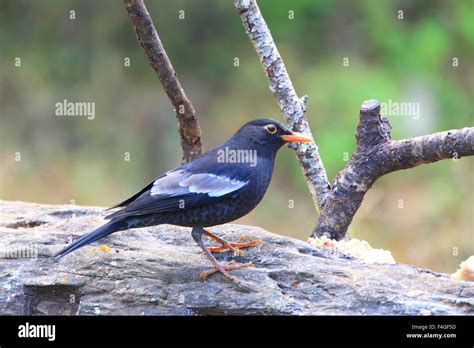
221	185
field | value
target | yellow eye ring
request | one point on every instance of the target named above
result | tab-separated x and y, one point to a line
270	128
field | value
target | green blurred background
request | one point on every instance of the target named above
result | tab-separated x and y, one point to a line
73	158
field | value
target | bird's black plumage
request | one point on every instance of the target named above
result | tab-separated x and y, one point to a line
223	184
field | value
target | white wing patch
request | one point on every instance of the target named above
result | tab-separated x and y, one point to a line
180	182
168	184
213	185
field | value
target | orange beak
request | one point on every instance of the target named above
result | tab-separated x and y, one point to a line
297	138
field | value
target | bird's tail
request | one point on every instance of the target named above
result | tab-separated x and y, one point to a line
98	233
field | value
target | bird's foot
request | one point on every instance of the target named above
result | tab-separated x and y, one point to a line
223	268
234	247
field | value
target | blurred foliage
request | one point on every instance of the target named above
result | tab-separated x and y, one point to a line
409	59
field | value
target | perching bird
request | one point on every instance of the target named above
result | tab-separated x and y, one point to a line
221	185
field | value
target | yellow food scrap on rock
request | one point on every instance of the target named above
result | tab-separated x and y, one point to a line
360	249
465	271
104	248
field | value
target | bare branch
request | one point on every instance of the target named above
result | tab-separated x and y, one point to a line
376	155
452	144
189	130
292	107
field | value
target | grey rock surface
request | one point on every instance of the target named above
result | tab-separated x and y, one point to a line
154	271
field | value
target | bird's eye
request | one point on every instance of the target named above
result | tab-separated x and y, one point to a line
270	128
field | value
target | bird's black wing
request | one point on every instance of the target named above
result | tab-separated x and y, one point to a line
180	189
135	196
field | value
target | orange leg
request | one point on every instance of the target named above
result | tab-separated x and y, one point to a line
234	247
197	234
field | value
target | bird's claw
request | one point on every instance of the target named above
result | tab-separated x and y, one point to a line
224	268
235	247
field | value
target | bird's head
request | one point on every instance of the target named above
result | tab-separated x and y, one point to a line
270	133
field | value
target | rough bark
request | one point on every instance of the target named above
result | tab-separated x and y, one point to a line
292	107
189	130
153	271
376	154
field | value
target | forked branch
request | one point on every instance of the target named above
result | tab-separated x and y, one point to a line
376	154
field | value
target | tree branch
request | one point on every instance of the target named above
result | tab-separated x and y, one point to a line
455	143
376	155
189	130
292	107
